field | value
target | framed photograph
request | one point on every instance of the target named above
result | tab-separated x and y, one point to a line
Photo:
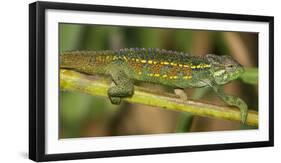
111	81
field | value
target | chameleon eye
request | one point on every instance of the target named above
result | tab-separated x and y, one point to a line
230	66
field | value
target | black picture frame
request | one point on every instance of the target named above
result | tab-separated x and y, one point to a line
37	81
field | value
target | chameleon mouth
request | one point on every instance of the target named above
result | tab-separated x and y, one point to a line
238	72
241	70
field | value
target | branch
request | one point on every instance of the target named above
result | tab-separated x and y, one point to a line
94	85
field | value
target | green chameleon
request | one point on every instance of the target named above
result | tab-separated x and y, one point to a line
175	69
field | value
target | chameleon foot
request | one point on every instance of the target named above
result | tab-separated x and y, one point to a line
243	109
181	94
244	116
116	93
115	100
121	86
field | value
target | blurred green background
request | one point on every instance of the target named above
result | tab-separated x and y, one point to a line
83	115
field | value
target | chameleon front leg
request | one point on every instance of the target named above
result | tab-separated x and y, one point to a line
122	86
233	101
230	100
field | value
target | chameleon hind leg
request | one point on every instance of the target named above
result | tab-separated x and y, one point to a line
122	86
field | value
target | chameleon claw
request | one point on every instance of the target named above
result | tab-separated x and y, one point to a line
244	114
243	117
243	109
115	100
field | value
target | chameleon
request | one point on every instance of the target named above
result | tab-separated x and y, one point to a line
175	69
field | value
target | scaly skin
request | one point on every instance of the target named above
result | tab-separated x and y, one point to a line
170	68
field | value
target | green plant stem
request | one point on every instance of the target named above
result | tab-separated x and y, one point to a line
96	85
184	122
250	76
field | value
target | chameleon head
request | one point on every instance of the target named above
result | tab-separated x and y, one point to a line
224	68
